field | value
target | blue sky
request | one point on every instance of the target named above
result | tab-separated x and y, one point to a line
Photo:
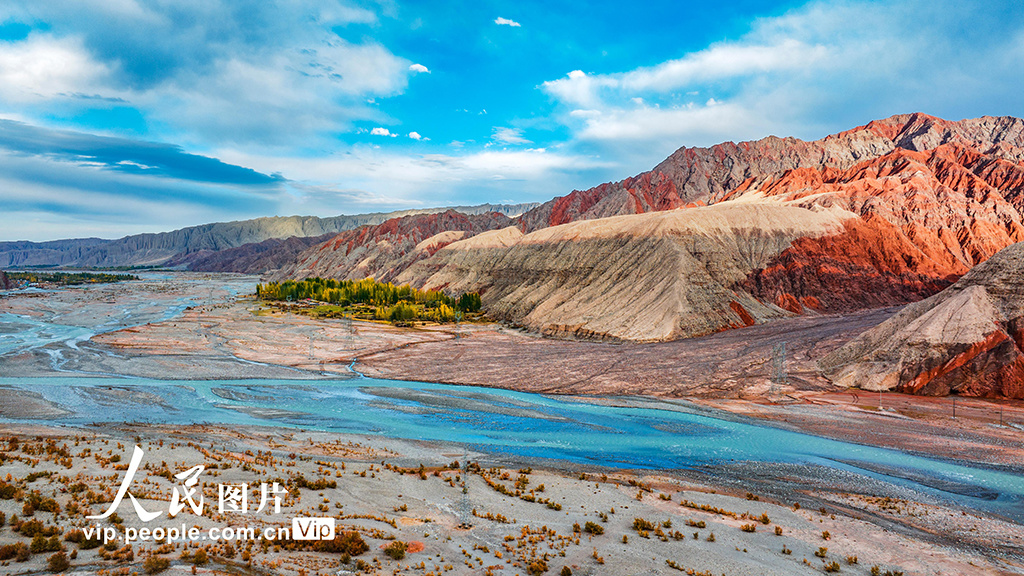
127	116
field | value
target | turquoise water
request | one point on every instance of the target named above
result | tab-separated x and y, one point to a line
640	434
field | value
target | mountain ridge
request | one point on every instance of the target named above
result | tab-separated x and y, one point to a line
158	248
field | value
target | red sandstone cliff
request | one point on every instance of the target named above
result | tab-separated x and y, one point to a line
967	339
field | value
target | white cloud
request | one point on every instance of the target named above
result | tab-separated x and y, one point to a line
43	67
419	68
506	22
413	180
503	135
717	62
684	124
379	131
725	61
278	98
415	136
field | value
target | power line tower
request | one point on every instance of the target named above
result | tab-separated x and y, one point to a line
780	377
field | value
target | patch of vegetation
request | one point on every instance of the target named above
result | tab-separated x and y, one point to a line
346	543
58	562
690	571
156	565
68	278
371	300
643	525
396	550
318	484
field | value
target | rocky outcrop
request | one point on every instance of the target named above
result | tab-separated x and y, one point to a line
967	339
383	251
923	220
54	253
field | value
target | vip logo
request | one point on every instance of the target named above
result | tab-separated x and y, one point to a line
312	528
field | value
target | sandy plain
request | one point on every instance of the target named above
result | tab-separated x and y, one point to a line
508	519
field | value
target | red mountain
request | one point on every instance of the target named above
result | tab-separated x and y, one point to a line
726	236
384	250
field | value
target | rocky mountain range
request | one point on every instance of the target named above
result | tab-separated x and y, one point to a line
735	234
385	250
193	247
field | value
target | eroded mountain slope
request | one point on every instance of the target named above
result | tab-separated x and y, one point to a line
967	339
385	250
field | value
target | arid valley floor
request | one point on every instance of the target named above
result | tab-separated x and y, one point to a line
502	522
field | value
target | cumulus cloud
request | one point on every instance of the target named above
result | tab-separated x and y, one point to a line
416	179
506	22
679	125
419	68
415	136
379	131
717	62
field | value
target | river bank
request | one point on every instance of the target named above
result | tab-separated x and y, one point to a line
375	488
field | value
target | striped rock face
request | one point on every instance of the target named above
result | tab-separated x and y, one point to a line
967	339
384	250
